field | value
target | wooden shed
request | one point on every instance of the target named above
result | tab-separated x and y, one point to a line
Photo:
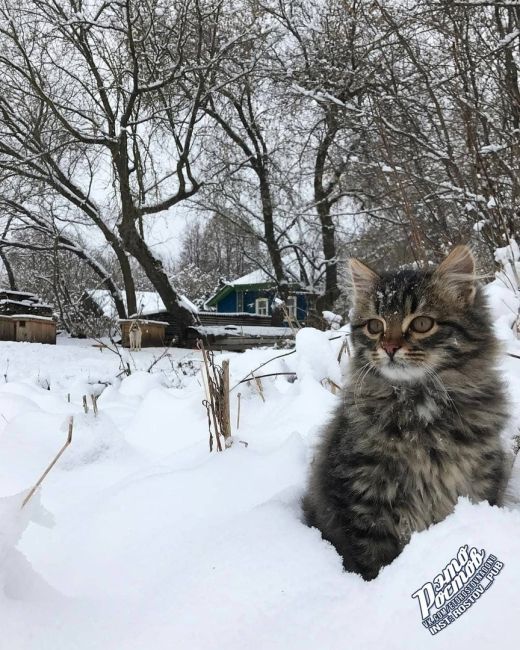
34	329
7	328
153	332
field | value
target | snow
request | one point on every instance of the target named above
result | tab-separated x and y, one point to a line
315	357
503	293
508	253
255	277
333	320
140	538
25	303
31	317
18	293
186	302
243	330
492	148
148	302
480	225
143	321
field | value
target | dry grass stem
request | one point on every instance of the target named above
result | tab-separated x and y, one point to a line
216	388
56	458
258	382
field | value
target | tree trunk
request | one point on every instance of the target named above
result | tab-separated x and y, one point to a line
137	247
270	236
328	229
108	283
9	270
128	282
277	315
153	268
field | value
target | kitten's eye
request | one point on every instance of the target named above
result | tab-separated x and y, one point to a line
422	324
375	326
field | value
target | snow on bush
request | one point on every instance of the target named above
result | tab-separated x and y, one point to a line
503	292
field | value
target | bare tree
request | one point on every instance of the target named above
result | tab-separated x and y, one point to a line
91	98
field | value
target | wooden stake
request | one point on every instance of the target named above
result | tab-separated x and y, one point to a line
238	411
226	411
68	398
85	404
94	404
258	382
42	477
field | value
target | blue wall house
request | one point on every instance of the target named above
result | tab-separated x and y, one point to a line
254	293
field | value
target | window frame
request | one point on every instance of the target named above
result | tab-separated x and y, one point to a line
264	301
292	307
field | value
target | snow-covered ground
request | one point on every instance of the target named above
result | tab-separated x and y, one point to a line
141	539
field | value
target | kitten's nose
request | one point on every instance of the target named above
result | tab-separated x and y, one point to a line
390	347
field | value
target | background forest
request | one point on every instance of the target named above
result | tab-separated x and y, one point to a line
286	135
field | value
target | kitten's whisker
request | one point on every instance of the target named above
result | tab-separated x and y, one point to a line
358	386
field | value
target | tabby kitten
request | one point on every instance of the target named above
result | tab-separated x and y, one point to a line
420	421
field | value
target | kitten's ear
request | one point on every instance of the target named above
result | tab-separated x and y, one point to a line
458	273
362	278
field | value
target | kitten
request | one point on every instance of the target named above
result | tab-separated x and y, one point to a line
421	417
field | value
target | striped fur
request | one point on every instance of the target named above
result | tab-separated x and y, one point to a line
415	432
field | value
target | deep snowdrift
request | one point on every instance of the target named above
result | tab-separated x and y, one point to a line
140	538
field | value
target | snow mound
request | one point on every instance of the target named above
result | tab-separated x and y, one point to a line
94	438
17	577
13	405
315	356
139	383
155	535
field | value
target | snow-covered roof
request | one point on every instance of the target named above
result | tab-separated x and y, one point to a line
148	302
244	330
143	321
255	277
30	317
24	303
18	293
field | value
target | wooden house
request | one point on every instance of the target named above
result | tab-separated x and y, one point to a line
34	329
7	328
28	328
153	333
254	294
23	317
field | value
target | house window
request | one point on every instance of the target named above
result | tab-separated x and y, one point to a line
262	306
240	301
291	306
